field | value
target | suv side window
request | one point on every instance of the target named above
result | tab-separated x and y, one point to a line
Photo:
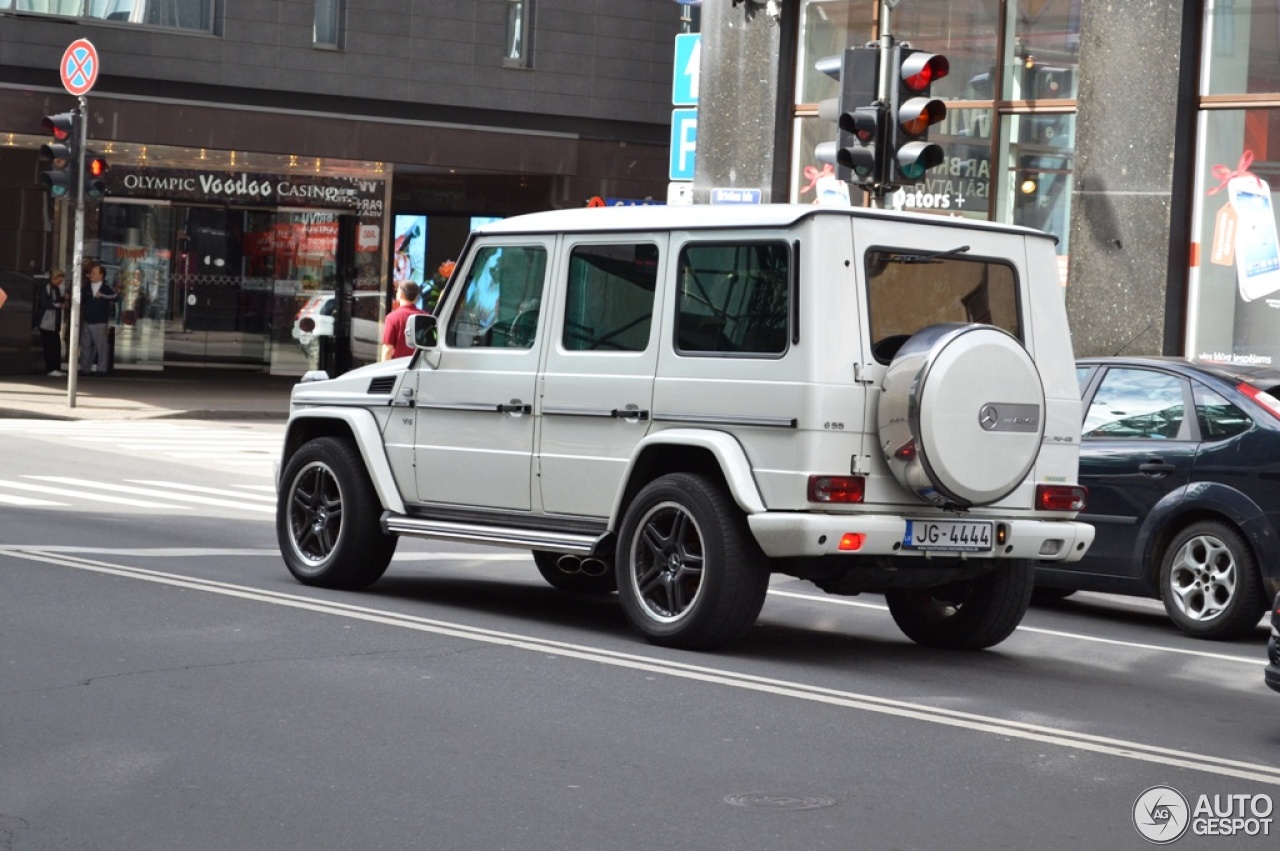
500	297
734	298
609	303
1137	404
908	291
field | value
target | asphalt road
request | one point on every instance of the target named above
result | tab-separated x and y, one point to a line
166	685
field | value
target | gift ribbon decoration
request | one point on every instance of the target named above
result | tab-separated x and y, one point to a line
1225	174
813	175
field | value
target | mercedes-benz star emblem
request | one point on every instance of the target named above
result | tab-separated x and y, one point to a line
988	417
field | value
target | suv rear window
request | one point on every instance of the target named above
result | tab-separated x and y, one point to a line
909	290
734	298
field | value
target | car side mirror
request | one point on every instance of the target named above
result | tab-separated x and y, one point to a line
421	332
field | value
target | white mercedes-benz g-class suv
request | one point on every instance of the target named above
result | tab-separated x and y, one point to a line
676	402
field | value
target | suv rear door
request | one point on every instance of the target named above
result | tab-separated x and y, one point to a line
597	388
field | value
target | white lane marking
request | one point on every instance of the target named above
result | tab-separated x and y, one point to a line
1204	654
270	552
114	500
1124	749
201	489
180	497
29	501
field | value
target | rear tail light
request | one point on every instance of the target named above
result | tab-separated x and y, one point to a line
1061	497
836	489
1264	399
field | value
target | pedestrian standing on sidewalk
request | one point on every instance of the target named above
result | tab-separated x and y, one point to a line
97	299
50	301
393	344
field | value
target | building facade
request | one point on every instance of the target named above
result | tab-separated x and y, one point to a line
1137	133
276	166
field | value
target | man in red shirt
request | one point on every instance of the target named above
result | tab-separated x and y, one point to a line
393	344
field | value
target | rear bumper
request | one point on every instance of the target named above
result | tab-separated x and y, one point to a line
794	534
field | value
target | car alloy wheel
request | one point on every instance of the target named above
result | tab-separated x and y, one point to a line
1209	582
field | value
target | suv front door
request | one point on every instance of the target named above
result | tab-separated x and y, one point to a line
473	442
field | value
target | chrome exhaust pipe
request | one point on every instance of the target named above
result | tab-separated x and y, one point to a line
594	567
569	564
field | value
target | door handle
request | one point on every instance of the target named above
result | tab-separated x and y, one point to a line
629	414
515	407
1156	468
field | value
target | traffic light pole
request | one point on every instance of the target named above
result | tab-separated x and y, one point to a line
880	190
75	275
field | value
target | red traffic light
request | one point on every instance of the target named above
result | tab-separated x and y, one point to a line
60	125
920	70
96	167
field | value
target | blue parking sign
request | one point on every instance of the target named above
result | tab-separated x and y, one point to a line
684	143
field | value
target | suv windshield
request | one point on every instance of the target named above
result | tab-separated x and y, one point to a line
907	291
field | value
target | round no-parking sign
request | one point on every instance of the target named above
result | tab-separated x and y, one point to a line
79	69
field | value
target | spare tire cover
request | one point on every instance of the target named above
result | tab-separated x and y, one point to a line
961	415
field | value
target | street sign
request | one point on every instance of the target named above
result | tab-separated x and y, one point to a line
79	68
684	143
679	194
735	196
684	82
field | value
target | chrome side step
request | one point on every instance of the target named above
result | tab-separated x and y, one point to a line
501	536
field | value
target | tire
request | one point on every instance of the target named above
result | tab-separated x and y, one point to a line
1043	596
327	518
971	614
576	582
1209	582
689	572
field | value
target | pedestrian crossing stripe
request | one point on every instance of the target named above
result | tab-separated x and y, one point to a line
137	491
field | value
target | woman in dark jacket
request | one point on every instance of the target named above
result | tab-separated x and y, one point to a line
48	315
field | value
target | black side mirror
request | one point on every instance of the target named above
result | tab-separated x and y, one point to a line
421	332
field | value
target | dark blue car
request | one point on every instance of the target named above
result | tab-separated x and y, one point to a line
1182	462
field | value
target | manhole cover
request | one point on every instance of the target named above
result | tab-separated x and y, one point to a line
788	803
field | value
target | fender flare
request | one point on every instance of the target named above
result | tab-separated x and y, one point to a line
364	430
1234	506
725	448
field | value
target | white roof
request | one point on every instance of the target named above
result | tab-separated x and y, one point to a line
699	216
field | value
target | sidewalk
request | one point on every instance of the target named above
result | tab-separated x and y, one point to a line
178	392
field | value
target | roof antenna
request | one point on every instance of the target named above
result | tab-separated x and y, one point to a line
1134	340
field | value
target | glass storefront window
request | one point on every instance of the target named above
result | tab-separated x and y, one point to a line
1038	151
962	30
184	14
827	27
1240	55
135	249
1234	304
1043	49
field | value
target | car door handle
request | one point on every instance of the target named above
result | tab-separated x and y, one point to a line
1156	468
629	414
515	407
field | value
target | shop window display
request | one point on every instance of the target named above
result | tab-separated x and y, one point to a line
1235	275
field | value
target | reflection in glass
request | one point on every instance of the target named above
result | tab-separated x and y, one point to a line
1043	38
1242	48
1039	155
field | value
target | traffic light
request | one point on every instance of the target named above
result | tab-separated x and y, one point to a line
859	114
912	112
95	172
62	154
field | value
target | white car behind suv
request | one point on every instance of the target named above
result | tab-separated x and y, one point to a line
675	403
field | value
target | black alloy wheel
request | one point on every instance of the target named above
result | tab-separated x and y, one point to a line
327	518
